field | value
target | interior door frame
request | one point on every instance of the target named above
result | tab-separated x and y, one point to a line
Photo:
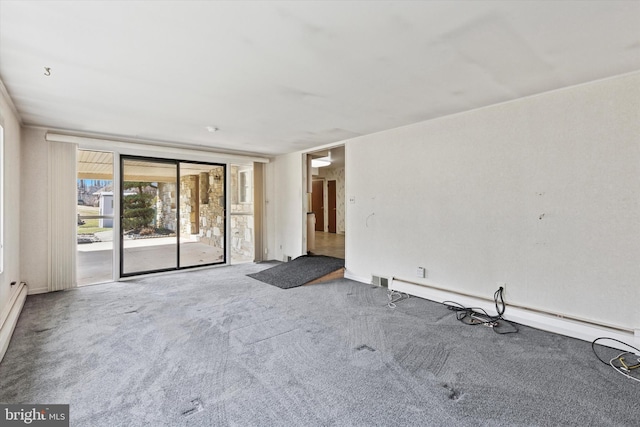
319	212
332	205
122	158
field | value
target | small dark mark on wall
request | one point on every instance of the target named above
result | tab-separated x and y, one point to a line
541	216
365	347
633	46
297	93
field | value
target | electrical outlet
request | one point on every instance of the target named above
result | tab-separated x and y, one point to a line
421	272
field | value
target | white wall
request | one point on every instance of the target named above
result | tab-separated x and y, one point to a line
12	214
542	193
35	195
285	207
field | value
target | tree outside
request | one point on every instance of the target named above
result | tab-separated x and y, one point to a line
138	212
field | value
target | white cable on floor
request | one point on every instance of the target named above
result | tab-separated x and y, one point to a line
620	370
391	294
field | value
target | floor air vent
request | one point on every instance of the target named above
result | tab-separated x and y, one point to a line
380	281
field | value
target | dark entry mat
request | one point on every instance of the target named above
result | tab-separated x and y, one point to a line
299	271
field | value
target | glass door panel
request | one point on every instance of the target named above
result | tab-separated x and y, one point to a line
95	217
202	214
242	224
149	215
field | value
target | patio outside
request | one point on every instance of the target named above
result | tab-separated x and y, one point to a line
154	218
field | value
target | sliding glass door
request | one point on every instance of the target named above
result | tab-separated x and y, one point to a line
172	215
149	216
202	214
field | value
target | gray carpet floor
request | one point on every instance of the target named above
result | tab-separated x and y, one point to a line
299	271
217	348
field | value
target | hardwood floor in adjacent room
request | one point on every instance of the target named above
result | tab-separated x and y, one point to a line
330	244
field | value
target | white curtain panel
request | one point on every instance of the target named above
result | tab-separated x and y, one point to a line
62	216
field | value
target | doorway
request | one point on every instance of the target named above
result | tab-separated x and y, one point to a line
173	215
328	201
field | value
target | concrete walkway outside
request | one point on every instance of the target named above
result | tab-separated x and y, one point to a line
95	260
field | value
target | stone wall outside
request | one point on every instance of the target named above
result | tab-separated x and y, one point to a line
211	217
166	206
242	226
210	226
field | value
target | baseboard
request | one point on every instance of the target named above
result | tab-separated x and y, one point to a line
547	322
38	291
9	320
351	276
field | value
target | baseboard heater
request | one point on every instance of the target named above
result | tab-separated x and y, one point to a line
574	327
9	316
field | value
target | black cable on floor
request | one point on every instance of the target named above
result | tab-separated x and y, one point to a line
498	295
606	362
478	316
618	363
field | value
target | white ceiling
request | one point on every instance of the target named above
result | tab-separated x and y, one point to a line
278	77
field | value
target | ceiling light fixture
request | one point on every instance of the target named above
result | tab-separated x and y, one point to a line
320	163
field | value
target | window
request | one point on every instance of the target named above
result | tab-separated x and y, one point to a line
244	187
